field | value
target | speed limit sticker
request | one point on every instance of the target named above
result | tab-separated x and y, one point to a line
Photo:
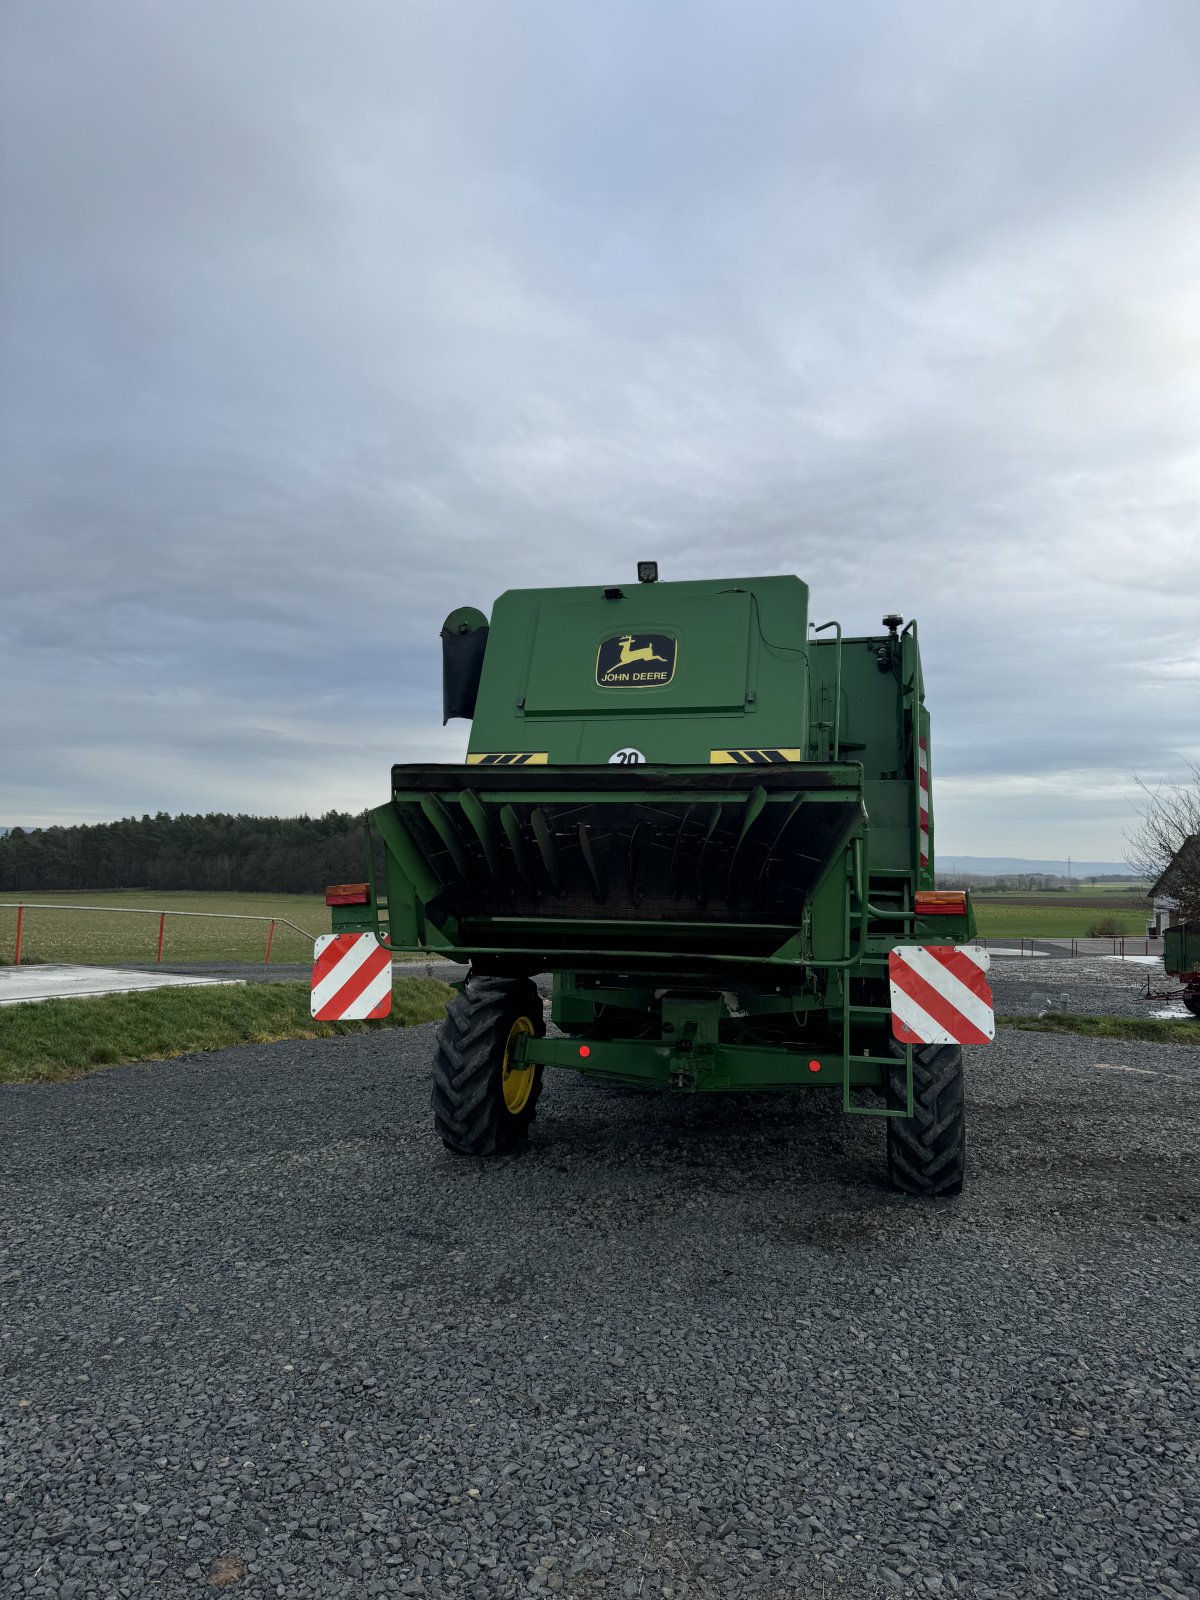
626	758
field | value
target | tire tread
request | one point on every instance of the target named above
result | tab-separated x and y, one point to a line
927	1151
468	1102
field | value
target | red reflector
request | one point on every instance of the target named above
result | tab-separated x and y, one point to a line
940	903
585	1050
814	1066
348	894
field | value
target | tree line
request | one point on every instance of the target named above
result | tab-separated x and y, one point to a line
1034	882
287	855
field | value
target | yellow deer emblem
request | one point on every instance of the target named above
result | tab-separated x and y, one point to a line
629	655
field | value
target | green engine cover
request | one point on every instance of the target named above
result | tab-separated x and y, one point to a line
662	672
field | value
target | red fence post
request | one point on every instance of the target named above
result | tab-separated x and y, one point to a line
162	923
20	920
270	942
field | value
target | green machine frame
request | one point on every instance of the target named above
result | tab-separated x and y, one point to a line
717	913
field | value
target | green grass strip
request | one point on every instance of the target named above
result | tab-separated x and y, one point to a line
1153	1030
56	1039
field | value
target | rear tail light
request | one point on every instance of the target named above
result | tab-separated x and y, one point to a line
940	903
348	894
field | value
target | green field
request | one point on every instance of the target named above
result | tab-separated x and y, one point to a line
57	1039
1054	915
97	937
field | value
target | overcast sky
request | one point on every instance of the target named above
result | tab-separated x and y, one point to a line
317	320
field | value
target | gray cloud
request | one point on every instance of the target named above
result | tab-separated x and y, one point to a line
316	321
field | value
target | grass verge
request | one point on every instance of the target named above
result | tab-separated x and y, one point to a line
1151	1030
57	1039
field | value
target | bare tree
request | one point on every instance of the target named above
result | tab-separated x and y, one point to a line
1168	835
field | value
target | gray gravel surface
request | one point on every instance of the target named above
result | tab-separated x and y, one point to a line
1086	986
258	1330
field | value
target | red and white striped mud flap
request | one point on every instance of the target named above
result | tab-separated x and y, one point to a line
940	994
351	978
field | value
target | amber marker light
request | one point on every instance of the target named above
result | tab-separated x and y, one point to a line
940	902
348	894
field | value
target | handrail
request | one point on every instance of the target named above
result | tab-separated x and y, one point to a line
837	684
918	683
881	915
149	911
860	877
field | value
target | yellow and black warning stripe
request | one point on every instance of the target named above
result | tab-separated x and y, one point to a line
751	758
511	758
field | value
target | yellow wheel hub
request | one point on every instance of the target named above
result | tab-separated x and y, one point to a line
517	1080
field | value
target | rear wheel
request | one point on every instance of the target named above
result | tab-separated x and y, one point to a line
483	1098
1192	1001
927	1151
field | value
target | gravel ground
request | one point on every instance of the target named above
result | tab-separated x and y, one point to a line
1087	986
259	1332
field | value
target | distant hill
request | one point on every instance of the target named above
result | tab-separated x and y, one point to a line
1008	864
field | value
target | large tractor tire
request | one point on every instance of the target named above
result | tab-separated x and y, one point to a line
482	1102
927	1151
1191	999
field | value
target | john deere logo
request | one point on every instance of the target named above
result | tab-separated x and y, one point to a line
636	661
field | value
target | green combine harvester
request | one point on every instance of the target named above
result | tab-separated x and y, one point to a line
712	825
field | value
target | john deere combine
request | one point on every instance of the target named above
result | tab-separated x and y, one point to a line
713	827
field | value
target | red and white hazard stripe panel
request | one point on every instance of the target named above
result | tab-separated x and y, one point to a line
351	978
923	778
940	994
